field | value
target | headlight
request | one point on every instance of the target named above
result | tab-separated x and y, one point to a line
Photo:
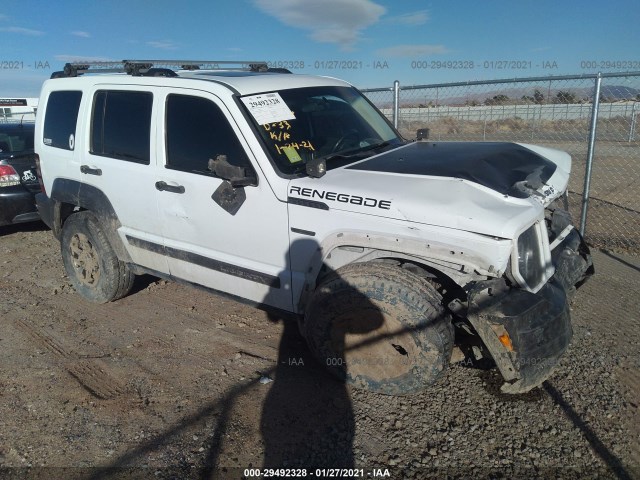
532	265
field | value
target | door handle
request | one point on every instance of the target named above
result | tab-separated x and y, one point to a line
90	170
165	187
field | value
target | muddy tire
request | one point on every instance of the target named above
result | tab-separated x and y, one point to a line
380	328
90	262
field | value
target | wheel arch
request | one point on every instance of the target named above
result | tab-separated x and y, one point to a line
429	259
71	196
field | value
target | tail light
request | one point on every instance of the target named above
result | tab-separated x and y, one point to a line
8	176
39	174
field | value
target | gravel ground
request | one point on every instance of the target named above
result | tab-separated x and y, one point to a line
173	382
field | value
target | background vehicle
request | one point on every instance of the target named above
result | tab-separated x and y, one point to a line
18	180
294	192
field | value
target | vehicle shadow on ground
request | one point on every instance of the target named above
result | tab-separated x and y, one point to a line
143	282
22	227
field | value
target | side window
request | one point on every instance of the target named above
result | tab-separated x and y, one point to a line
121	125
61	118
197	130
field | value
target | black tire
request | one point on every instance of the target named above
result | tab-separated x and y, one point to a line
380	328
90	262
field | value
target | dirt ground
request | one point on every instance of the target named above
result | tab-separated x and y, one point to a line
174	382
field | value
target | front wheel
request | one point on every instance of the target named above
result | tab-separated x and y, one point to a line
90	262
380	328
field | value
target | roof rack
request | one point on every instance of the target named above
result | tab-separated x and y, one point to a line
163	68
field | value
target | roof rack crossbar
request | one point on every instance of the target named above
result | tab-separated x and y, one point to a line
142	67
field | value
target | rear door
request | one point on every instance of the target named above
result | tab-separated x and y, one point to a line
119	158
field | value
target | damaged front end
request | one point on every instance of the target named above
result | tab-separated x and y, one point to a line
526	332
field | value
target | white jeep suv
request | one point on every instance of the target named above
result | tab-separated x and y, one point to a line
294	192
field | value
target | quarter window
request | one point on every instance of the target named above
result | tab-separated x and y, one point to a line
61	119
197	131
121	125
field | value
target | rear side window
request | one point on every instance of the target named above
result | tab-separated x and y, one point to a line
61	118
197	130
121	125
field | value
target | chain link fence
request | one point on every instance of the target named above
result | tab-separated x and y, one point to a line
555	112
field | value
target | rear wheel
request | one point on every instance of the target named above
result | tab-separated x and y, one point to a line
380	328
90	262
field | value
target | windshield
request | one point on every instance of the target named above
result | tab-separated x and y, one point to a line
301	124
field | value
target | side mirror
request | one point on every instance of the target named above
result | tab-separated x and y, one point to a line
236	176
316	168
422	134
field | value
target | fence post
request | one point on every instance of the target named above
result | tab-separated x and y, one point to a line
396	102
632	128
592	142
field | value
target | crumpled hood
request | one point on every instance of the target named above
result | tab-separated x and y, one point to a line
489	188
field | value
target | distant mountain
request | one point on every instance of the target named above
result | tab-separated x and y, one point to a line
609	92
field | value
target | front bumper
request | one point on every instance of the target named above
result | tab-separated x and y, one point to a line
527	333
17	205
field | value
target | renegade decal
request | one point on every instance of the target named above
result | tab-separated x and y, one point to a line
341	197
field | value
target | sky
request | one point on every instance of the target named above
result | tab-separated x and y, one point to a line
370	43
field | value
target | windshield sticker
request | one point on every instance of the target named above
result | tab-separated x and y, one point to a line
268	108
280	135
292	154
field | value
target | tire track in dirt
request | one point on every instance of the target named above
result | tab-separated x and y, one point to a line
92	374
137	331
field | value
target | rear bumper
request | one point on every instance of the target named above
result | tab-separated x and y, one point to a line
45	208
17	206
527	333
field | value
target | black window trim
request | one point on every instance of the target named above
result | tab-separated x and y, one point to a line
221	107
75	130
116	156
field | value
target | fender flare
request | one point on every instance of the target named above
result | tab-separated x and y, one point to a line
461	267
87	197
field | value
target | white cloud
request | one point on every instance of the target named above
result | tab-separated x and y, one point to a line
416	18
413	51
79	33
330	21
21	31
163	44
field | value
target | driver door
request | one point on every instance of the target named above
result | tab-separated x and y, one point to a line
241	250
